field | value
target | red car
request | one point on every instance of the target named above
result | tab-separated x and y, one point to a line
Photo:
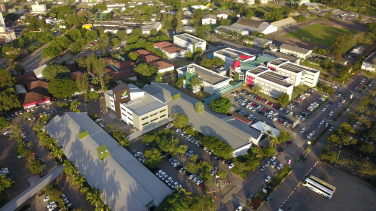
202	185
289	143
37	116
253	104
32	151
92	43
269	103
281	122
258	98
264	109
275	106
199	160
309	111
263	100
360	84
300	100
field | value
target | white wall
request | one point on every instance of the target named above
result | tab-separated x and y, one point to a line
241	150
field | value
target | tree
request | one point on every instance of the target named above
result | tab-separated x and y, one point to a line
82	84
121	34
366	168
366	148
120	137
94	197
196	84
222	174
180	120
115	42
55	71
200	202
221	105
218	62
257	89
3	123
329	14
93	95
36	166
133	55
327	154
188	54
57	152
62	88
300	18
179	83
145	70
74	106
8	98
173	202
153	158
283	136
192	165
207	63
284	99
5	182
269	151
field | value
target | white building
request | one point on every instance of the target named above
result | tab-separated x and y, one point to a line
38	8
212	81
245	24
295	51
6	36
39	71
189	42
51	21
221	14
172	51
299	75
272	83
369	63
186	19
209	19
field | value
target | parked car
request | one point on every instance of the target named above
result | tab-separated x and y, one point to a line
231	165
279	166
267	179
273	164
262	168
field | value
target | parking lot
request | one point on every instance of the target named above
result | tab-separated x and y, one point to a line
350	194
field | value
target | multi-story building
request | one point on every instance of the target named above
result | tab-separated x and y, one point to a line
299	75
189	42
294	50
135	107
272	83
38	8
369	63
6	36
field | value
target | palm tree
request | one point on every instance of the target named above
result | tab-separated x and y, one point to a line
79	181
94	197
57	152
15	128
69	168
38	128
74	106
84	191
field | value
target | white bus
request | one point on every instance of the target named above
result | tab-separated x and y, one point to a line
319	186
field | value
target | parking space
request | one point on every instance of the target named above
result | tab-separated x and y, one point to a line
350	194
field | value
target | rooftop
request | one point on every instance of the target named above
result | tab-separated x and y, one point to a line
371	58
122	74
168	47
260	60
209	16
297	68
205	74
278	62
275	78
40	69
281	55
295	48
189	38
125	183
249	22
221	12
152	59
262	127
233	53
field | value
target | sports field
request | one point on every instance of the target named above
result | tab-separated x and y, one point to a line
319	34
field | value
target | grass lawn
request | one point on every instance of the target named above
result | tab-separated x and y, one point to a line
320	34
4	198
267	7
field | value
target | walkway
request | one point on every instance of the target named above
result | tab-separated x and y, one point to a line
33	189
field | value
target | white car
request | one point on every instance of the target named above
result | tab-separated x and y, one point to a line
331	113
267	179
46	198
302	130
279	166
273	158
348	110
331	128
273	164
240	208
138	154
343	101
262	168
231	165
363	80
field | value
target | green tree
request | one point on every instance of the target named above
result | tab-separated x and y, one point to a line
192	165
5	182
329	14
57	152
145	69
207	63
94	197
218	62
74	106
199	202
120	137
366	148
188	54
173	202
153	158
257	89
55	71
93	95
62	88
366	168
121	34
222	174
179	83
3	123
283	136
8	98
269	151
221	105
36	166
133	55
300	18
82	84
180	120
327	154
115	42
284	99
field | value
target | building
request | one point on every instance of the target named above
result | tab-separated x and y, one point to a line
357	51
283	22
212	81
3	8
209	19
147	27
150	58
172	51
39	71
31	91
5	35
369	63
189	42
295	51
299	75
221	14
51	20
249	25
38	8
272	83
135	107
189	29
264	128
277	55
225	29
228	129
186	19
125	183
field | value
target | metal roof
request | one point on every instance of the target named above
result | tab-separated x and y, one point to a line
205	74
146	104
126	183
262	127
207	122
295	48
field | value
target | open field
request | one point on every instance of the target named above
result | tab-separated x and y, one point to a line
319	34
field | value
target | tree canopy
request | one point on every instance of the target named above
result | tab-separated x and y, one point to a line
145	69
153	158
284	99
221	105
62	88
55	71
181	120
8	98
283	136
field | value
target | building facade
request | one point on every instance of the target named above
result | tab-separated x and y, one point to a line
209	19
172	51
272	83
369	63
295	51
189	42
6	36
38	8
135	107
299	75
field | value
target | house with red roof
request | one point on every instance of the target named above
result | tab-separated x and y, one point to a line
171	50
150	58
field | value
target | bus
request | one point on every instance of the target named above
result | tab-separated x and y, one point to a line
319	186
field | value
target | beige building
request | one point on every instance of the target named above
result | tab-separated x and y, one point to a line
295	51
136	107
5	35
38	8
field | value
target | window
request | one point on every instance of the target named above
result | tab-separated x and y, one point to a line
129	118
123	114
123	109
144	118
153	114
162	116
153	120
129	113
145	123
162	110
112	101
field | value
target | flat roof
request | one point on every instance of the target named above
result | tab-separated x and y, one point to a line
189	38
295	48
234	135
297	68
258	70
125	183
278	61
233	53
262	127
281	55
206	74
247	65
276	78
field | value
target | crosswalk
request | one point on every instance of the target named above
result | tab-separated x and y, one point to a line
238	201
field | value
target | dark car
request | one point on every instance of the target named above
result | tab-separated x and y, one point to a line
304	159
281	150
289	143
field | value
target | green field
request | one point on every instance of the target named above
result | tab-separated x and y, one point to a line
320	34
